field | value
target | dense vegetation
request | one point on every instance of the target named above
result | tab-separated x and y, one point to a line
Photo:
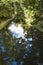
24	11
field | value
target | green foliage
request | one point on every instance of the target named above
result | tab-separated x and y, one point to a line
27	12
31	4
6	8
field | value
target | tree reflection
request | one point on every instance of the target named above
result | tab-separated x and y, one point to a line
25	51
12	49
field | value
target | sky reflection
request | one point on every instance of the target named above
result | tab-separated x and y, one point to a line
2	48
17	31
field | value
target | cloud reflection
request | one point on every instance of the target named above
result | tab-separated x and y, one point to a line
17	31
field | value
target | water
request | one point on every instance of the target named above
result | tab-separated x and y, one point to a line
11	61
17	49
15	63
2	49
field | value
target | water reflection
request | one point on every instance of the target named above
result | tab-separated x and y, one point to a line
11	61
17	31
14	63
2	49
16	49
